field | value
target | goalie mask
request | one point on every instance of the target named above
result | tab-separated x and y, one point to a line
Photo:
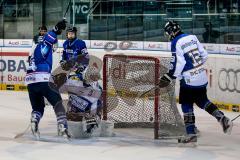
171	29
71	33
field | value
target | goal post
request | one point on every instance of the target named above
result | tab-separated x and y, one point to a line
125	77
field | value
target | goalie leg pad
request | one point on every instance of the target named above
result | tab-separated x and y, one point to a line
78	129
79	104
106	128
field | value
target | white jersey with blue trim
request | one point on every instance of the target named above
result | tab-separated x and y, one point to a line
188	57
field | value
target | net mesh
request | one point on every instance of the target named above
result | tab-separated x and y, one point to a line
126	80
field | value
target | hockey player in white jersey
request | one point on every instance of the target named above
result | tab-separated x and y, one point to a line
188	57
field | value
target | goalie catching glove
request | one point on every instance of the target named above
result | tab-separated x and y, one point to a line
59	79
165	81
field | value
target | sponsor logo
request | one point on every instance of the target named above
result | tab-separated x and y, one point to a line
233	49
228	80
124	45
70	51
98	44
196	72
156	46
19	43
210	76
235	108
25	43
78	103
110	46
223	106
22	88
10	87
13	43
12	66
192	42
27	79
209	48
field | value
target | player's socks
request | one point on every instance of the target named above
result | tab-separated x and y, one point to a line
214	111
62	126
63	130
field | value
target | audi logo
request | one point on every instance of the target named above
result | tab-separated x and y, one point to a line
228	80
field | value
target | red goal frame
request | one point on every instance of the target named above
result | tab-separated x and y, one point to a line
156	79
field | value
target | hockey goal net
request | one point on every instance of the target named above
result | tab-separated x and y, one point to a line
125	79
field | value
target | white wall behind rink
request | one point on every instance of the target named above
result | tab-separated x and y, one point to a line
223	70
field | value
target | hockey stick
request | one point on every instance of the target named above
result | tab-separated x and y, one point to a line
22	133
64	16
235	118
148	91
156	87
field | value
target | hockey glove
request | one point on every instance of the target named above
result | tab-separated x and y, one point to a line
165	80
59	79
80	69
61	25
67	65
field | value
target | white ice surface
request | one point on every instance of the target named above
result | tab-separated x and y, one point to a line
15	114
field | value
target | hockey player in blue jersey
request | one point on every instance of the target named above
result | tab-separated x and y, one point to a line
88	102
37	80
74	48
188	57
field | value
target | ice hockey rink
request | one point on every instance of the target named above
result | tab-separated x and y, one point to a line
14	118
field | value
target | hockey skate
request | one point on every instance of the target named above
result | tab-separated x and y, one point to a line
188	141
63	131
34	128
226	124
90	123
